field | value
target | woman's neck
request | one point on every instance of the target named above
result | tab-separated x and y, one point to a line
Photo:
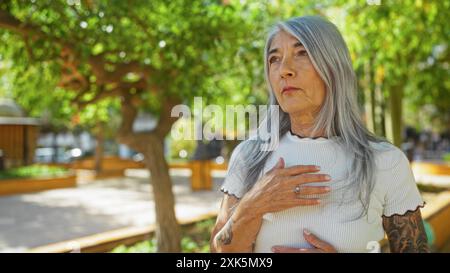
302	126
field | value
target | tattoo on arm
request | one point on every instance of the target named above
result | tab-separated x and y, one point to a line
226	234
406	233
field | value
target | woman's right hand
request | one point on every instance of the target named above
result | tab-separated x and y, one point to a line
236	231
275	190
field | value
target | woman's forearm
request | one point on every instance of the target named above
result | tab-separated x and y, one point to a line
406	233
239	233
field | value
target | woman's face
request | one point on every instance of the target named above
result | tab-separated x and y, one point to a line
290	66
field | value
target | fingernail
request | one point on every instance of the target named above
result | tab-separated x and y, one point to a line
318	168
307	232
274	249
327	188
327	177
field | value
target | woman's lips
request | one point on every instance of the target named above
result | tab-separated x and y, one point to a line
289	89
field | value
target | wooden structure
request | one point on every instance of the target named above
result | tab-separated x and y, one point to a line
18	135
28	185
201	178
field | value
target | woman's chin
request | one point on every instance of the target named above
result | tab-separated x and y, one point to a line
292	108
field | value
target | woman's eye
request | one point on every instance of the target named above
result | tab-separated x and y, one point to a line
302	53
273	59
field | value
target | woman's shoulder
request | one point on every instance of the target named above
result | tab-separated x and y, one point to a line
243	147
239	150
388	156
396	186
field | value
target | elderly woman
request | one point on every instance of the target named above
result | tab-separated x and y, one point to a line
330	185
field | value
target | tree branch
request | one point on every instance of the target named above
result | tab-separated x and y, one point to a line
73	78
9	22
70	57
165	119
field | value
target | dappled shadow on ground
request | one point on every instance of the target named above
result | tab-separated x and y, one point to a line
32	220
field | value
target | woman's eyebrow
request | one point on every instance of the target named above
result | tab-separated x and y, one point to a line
297	44
272	51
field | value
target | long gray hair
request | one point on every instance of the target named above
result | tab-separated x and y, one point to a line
339	115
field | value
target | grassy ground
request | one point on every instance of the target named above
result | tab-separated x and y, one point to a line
195	240
32	171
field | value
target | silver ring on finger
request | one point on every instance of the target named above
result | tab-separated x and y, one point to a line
297	189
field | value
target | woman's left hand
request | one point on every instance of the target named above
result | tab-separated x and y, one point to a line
319	246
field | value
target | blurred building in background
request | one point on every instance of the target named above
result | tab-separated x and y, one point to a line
18	135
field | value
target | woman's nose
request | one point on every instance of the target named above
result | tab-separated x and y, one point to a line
286	70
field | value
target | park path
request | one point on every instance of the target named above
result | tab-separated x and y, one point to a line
32	220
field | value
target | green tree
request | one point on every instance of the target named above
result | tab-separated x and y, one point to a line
152	55
390	44
102	120
56	110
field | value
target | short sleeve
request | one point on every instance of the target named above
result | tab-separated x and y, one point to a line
234	179
402	194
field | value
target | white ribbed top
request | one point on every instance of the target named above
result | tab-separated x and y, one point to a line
335	220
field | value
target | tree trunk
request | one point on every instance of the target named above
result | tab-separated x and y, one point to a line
369	97
380	111
55	147
383	120
167	228
99	148
151	145
395	127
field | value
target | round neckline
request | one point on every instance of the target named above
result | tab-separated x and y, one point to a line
309	139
